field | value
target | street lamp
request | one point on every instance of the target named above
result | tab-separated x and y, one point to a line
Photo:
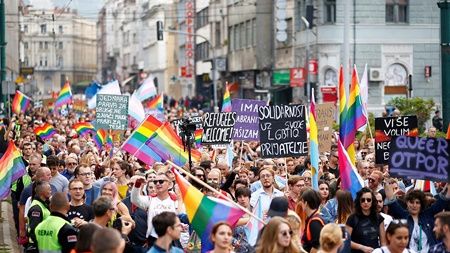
305	21
213	61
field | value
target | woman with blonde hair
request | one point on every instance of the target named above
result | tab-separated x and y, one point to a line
277	237
330	238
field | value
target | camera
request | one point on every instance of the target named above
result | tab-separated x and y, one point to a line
187	127
118	224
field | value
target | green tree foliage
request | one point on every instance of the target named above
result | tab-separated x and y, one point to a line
420	107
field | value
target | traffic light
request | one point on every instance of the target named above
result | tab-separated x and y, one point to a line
159	30
310	11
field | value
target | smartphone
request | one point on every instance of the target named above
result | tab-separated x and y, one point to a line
344	232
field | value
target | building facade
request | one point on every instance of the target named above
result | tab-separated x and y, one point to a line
60	46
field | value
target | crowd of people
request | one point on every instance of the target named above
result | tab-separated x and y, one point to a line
77	198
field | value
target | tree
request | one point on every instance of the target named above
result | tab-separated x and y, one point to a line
420	107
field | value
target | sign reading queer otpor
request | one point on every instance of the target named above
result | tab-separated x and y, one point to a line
112	112
247	120
420	158
282	131
386	128
218	127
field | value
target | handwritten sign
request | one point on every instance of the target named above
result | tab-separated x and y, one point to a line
218	127
247	119
420	158
79	105
325	119
388	127
112	112
282	131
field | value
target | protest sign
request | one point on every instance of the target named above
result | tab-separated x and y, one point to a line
282	131
218	127
419	158
325	115
79	105
112	112
246	127
48	102
388	127
38	104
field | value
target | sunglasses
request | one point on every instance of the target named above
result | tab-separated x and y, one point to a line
368	200
159	181
286	233
400	221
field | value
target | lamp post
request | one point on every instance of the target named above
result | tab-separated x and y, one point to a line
308	77
213	61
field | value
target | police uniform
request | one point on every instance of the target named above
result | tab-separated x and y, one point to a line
56	234
38	212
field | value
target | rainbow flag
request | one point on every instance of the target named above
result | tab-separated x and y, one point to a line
45	131
350	179
20	103
313	143
198	137
135	144
203	212
83	128
342	104
157	103
11	169
226	103
65	96
100	138
168	145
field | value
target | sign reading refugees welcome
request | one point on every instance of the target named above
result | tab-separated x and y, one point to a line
112	112
282	131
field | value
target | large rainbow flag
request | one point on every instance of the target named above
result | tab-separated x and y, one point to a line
203	212
83	128
135	144
314	143
226	103
46	131
350	179
20	103
11	169
65	96
168	145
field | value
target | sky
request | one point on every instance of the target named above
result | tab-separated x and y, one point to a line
86	8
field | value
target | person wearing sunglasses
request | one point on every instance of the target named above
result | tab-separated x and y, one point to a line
365	225
397	237
420	218
277	237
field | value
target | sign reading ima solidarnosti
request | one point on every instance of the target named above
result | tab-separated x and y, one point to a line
282	131
112	112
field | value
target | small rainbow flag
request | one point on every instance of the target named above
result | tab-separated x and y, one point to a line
314	143
11	169
167	144
198	137
203	212
45	131
65	96
157	103
226	103
100	138
83	128
135	144
20	103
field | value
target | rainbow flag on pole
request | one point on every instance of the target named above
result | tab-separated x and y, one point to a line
65	96
100	138
226	103
20	103
350	179
198	137
203	212
11	169
83	128
157	103
46	131
313	142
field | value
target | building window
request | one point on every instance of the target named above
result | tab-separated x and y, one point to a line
231	37
201	51
25	28
330	11
248	32
46	45
41	45
60	45
43	28
25	61
242	37
60	29
254	32
236	37
40	61
25	45
45	61
202	18
135	40
217	34
397	11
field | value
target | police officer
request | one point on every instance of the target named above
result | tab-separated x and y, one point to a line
56	234
39	210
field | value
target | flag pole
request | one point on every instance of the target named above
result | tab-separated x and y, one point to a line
215	191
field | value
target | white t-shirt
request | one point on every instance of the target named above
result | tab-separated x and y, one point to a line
385	249
419	236
156	207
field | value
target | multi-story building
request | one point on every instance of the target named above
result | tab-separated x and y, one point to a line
12	41
60	46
